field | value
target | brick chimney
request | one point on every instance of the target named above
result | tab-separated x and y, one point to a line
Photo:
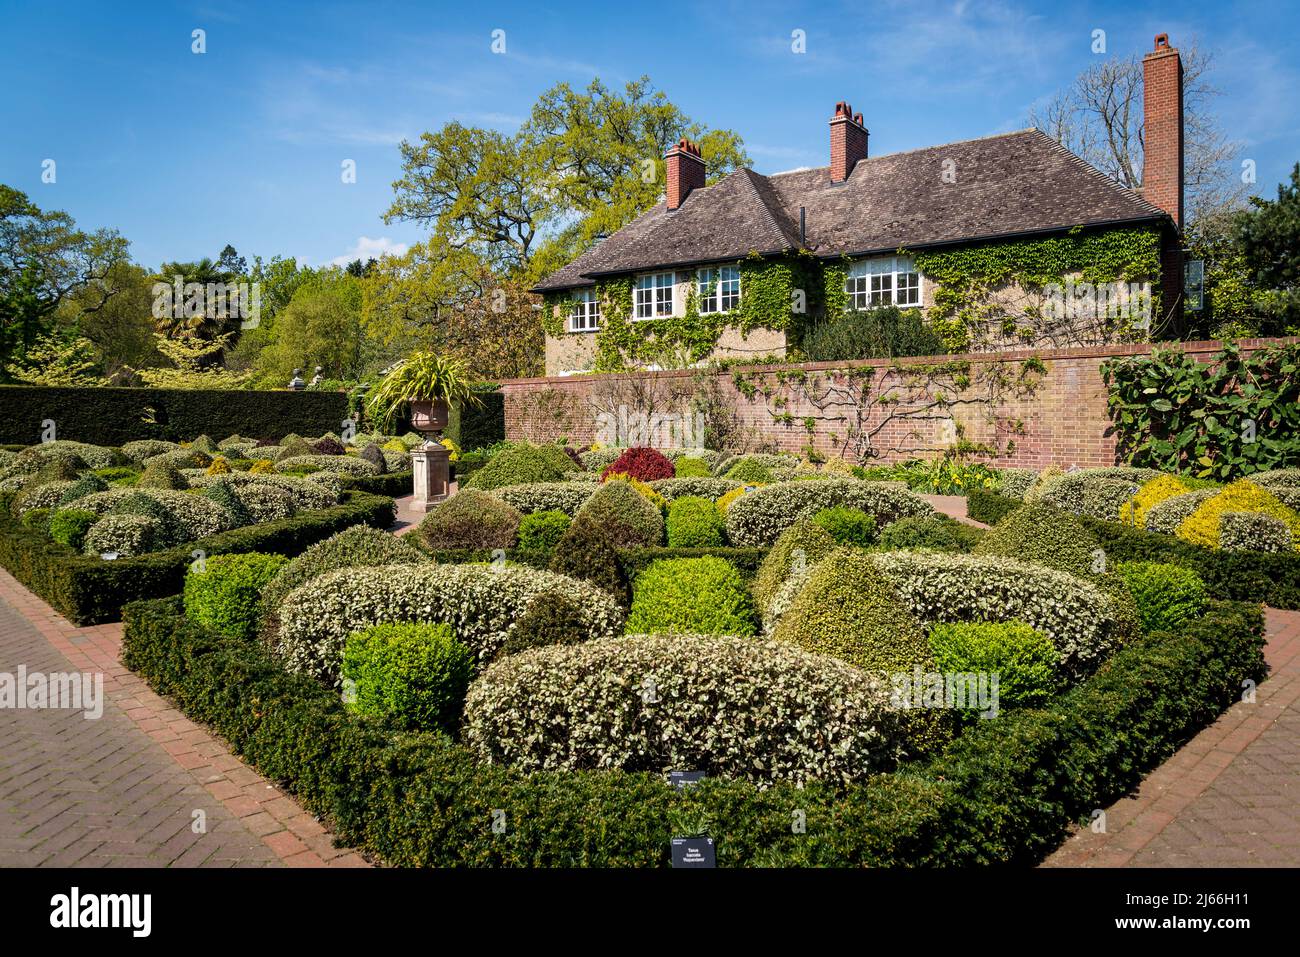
685	171
1162	167
848	142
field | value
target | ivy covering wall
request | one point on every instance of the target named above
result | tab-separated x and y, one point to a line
984	296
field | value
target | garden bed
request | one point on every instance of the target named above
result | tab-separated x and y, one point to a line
1270	578
88	590
1005	792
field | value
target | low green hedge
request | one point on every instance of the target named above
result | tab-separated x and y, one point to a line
1005	792
1271	578
88	590
392	484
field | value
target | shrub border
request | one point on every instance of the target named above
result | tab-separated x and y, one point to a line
1273	579
1006	792
88	590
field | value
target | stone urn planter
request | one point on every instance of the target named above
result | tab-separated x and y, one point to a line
429	415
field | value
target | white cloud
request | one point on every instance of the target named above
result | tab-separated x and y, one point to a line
365	248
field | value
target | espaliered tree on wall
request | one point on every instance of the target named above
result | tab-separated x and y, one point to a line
866	412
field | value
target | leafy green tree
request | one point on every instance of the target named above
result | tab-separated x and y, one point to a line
115	314
57	358
193	363
44	258
321	326
584	163
1270	241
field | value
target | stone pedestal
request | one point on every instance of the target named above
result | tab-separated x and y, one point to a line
431	466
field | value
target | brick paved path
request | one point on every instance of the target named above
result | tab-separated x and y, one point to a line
121	790
1229	798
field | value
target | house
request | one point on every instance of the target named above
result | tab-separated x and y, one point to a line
1004	241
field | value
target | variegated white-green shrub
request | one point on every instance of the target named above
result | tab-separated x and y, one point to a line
1166	516
481	602
42	496
95	456
732	707
1098	493
566	497
1253	532
759	517
192	516
127	535
308	493
712	488
1082	620
142	450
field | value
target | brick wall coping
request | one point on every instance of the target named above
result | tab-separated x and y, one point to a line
1114	350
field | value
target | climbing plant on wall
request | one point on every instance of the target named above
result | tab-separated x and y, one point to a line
975	304
870	411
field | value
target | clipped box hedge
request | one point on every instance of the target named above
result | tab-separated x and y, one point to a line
89	590
392	484
1006	792
113	416
635	560
478	428
1271	578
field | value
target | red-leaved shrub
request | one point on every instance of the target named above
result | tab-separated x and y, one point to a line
641	463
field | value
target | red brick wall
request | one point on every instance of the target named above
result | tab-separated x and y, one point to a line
1064	421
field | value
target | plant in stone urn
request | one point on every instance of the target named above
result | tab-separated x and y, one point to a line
426	382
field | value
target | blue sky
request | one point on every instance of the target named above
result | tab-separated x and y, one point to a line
184	153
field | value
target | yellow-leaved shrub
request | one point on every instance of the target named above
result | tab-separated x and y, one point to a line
1202	526
1134	511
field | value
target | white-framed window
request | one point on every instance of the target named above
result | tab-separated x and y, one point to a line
584	311
653	296
887	281
719	288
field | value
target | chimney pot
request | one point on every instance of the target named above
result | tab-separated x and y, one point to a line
684	166
848	141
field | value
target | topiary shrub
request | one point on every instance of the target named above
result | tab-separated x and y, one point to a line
46	497
704	596
161	472
552	619
1166	516
414	676
848	526
726	499
757	518
36	518
224	494
1157	490
850	610
542	531
1046	535
204	443
261	467
480	602
68	526
86	455
694	523
626	516
124	535
1024	660
641	463
586	552
143	449
357	547
88	484
58	468
518	465
1098	493
373	454
1254	532
224	591
1203	525
566	497
690	467
710	488
342	464
936	532
730	707
328	446
219	466
795	552
1015	483
1083	620
294	446
1167	596
470	519
758	468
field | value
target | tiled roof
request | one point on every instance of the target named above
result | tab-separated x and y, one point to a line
999	186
